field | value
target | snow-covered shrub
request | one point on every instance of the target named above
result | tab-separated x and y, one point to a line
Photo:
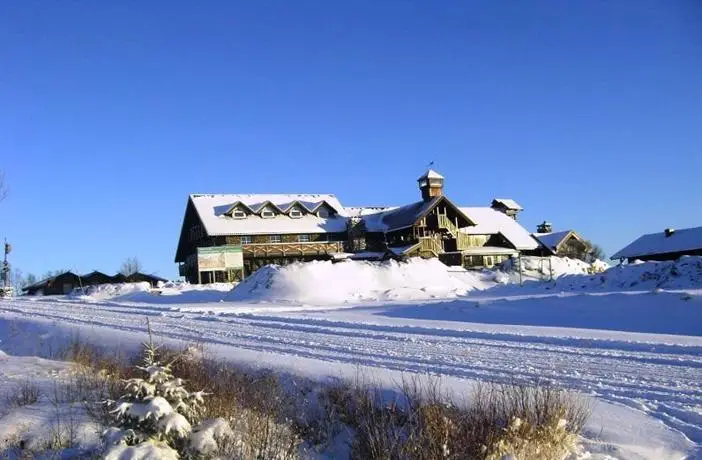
495	422
520	439
156	416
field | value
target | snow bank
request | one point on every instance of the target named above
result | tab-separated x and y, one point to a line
538	268
166	293
327	283
573	275
108	291
352	281
684	273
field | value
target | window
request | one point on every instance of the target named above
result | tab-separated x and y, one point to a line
239	214
295	213
274	238
303	238
267	213
323	213
246	239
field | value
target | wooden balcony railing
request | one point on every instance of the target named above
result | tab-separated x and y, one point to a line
431	245
463	241
445	222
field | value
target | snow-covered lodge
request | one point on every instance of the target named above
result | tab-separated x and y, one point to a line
669	244
225	237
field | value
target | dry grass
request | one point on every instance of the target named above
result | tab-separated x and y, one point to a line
25	394
418	420
254	404
422	421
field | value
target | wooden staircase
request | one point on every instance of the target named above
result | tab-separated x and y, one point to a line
430	244
462	240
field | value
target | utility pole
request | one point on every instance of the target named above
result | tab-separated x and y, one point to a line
520	270
6	271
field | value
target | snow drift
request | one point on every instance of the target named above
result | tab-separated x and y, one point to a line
108	291
327	283
574	275
352	281
546	268
684	273
166	293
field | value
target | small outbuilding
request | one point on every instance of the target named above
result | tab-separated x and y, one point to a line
566	243
139	277
55	285
95	277
669	244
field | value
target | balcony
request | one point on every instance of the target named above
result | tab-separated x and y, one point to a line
292	248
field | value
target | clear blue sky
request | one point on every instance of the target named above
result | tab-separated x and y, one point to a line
587	113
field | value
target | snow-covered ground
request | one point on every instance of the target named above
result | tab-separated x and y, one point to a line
53	418
630	337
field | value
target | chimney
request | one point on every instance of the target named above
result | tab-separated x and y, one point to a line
506	206
544	227
669	232
431	184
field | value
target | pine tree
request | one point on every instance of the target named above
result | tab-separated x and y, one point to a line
155	414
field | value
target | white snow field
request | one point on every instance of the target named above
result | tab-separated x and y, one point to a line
37	424
631	337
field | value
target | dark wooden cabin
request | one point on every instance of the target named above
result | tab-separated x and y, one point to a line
139	277
55	285
95	277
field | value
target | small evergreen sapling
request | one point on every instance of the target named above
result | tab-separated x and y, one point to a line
154	413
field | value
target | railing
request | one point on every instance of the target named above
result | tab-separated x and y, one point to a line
431	245
445	222
463	241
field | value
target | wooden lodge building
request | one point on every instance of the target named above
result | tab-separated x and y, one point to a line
227	237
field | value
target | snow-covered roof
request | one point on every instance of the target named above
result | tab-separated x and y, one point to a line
431	174
361	211
403	216
508	203
402	250
488	251
491	222
212	209
552	240
686	239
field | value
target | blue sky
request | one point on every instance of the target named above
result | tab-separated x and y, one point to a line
587	113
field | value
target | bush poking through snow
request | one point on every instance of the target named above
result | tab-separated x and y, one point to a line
26	393
157	417
498	421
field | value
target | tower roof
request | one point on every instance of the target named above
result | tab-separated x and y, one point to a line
431	174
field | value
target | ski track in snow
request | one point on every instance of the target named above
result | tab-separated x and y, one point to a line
661	379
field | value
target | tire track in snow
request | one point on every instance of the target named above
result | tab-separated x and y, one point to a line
663	380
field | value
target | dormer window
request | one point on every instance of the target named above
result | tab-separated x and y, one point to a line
267	213
239	214
295	213
323	213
